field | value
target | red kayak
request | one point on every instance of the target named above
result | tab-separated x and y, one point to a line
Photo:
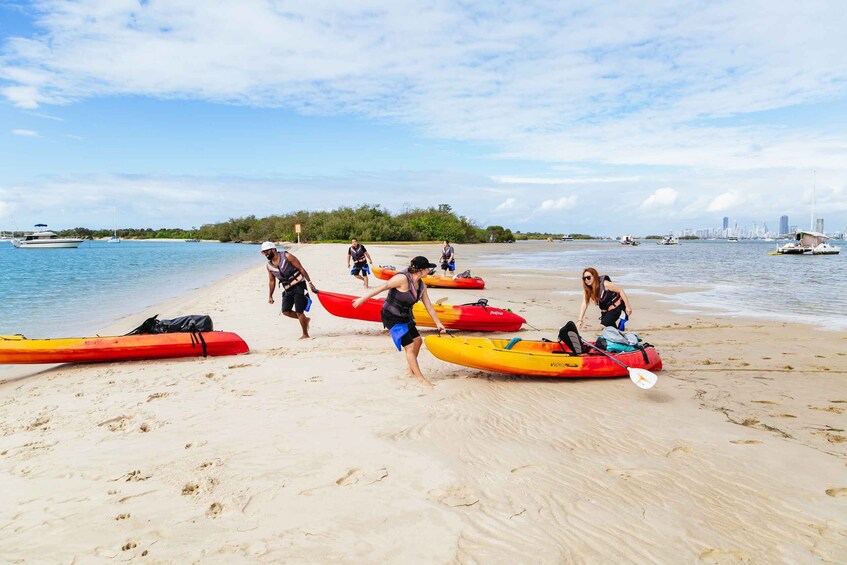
16	349
468	317
434	281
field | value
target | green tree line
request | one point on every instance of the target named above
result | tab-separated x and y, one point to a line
366	222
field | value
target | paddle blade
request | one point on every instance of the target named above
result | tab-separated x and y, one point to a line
642	378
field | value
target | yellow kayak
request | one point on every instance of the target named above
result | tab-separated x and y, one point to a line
536	358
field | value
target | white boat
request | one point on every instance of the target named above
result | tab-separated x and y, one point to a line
5	236
114	238
567	238
732	239
668	240
809	243
45	240
628	240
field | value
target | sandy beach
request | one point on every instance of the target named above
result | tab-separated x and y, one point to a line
322	450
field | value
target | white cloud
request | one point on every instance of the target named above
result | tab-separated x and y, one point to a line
25	132
724	202
508	204
662	198
563	203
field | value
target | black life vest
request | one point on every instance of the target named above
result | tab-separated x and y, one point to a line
287	274
398	305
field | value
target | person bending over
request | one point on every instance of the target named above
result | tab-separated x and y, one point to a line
361	258
404	290
610	297
293	278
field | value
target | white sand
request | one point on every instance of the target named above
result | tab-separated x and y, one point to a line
323	451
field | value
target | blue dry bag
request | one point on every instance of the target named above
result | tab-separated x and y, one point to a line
308	302
397	332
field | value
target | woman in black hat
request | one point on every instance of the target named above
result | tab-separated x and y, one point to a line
404	290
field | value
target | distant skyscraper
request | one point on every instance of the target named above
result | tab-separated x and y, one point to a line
819	225
725	222
783	225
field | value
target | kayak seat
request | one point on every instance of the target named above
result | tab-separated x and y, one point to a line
512	343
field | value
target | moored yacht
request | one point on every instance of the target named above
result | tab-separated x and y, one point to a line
668	240
809	243
44	239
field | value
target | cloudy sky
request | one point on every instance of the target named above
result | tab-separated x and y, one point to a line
569	116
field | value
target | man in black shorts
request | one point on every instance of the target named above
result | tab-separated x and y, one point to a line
293	278
361	258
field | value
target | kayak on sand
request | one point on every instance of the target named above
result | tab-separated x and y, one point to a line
16	349
537	358
471	317
434	281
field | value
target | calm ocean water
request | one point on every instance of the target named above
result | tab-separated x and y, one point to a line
73	292
734	278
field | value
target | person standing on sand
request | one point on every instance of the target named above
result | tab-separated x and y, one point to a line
293	278
610	297
448	258
405	289
361	258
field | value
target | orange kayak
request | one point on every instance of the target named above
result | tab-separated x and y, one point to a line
435	281
471	317
16	349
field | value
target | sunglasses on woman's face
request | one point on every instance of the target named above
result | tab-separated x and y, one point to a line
588	278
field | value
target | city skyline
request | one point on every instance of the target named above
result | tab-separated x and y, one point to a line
536	117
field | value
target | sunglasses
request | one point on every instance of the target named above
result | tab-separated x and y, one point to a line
588	278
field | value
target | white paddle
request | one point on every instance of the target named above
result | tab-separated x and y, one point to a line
641	377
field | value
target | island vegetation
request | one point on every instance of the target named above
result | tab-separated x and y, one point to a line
366	222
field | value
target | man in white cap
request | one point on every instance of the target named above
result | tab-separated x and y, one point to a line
287	269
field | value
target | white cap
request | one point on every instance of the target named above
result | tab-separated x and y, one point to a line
268	245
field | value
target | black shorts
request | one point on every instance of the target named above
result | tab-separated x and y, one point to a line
295	298
448	266
410	336
360	268
610	318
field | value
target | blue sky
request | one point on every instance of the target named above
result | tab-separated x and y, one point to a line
607	118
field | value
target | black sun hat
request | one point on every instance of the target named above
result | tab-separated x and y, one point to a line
421	262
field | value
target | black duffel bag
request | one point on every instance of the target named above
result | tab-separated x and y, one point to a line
193	324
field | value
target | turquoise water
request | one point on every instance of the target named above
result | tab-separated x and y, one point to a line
73	292
731	278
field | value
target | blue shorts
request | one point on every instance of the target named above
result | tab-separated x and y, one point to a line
445	266
360	268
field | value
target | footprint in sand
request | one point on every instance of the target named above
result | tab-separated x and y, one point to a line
129	545
786	415
745	441
679	450
355	476
156	395
766	402
116	424
833	409
215	510
120	517
189	489
627	473
454	497
39	422
836	492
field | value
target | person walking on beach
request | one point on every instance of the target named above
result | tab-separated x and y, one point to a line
448	258
405	289
361	258
293	278
610	297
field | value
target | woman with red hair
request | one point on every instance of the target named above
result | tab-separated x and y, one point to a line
610	297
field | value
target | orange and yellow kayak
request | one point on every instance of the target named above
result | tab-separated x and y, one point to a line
536	358
471	317
435	281
16	349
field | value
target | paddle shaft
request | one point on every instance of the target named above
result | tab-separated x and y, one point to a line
595	348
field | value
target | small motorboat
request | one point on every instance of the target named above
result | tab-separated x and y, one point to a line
44	239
